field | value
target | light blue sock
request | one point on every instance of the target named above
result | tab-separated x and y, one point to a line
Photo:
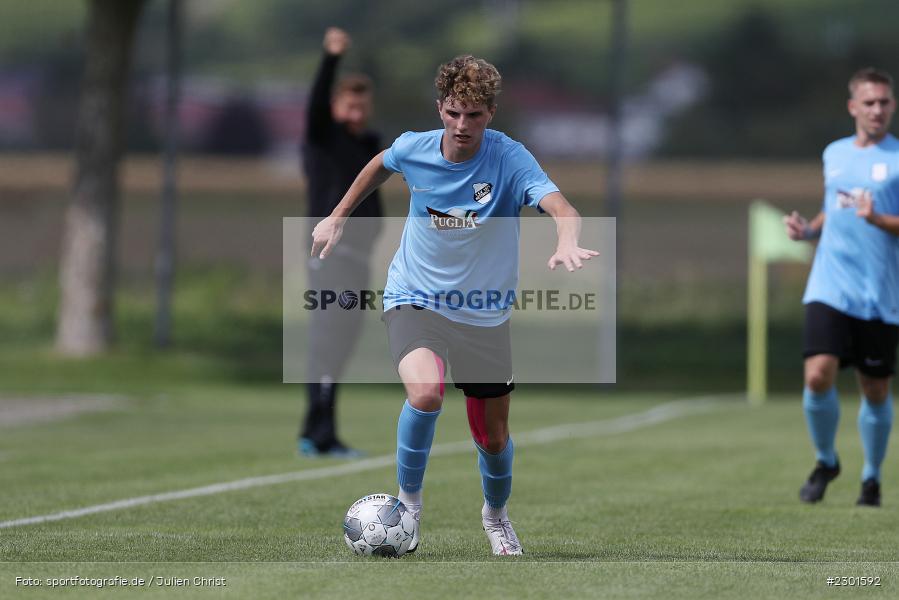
874	423
496	474
414	435
822	414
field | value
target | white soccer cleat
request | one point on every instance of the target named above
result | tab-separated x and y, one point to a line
502	537
415	511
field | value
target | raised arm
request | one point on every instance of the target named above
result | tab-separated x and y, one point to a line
318	112
327	233
568	228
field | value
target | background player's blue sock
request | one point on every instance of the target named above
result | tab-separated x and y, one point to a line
874	423
496	474
414	435
822	413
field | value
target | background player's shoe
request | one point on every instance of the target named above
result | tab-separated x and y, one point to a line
338	450
415	511
813	490
335	449
870	495
503	540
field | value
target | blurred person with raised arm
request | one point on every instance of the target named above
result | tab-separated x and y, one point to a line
337	145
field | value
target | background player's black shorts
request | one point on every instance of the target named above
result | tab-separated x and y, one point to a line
869	346
480	358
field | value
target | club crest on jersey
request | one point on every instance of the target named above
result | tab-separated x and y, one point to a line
879	171
482	193
454	218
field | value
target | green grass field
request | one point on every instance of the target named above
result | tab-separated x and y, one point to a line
701	503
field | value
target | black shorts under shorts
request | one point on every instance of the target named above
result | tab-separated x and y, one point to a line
480	358
869	346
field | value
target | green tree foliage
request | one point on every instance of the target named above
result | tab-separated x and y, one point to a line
771	96
777	67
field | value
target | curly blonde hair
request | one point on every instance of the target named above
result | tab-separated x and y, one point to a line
469	80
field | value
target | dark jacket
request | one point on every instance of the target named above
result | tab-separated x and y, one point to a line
332	157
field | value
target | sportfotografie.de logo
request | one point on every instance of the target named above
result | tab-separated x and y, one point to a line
528	299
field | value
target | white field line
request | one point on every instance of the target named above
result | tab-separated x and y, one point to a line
547	435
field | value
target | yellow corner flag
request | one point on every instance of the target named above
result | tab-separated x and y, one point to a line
768	242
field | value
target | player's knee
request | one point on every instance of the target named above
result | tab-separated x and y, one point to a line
818	380
425	396
875	390
496	441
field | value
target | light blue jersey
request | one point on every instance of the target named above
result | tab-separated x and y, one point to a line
458	254
856	268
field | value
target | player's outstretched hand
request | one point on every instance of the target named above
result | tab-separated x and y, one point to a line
864	206
326	235
337	41
797	226
571	257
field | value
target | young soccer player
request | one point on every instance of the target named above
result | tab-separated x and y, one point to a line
852	296
468	185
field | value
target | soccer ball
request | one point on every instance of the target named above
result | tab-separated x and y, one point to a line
378	524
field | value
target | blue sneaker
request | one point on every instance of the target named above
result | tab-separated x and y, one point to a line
338	450
308	448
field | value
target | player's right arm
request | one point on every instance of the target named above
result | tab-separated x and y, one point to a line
799	229
327	233
568	228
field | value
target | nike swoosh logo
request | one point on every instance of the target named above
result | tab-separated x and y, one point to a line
418	189
510	380
873	363
834	172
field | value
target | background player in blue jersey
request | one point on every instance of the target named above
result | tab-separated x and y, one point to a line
852	296
446	300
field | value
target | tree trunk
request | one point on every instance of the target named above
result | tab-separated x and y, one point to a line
87	268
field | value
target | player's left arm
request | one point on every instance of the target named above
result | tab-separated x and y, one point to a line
568	227
865	210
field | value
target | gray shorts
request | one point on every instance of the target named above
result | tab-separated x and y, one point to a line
479	358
